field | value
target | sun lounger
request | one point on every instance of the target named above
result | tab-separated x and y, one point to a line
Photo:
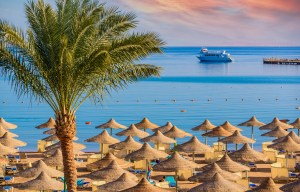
252	185
10	170
9	179
81	183
171	181
6	188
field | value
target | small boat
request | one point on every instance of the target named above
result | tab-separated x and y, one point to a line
214	56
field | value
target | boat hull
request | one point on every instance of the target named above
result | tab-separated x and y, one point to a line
214	59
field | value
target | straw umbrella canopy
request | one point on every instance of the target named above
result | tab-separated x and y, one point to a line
9	141
145	186
227	164
205	126
37	168
52	151
292	134
7	125
286	144
175	163
76	146
55	160
237	138
291	187
103	138
146	152
267	185
133	132
112	124
209	173
4	150
105	161
229	127
48	124
252	122
175	132
146	124
218	184
50	131
3	131
217	132
122	183
158	138
193	146
3	161
296	125
276	122
129	144
110	173
277	132
55	138
247	154
42	182
164	128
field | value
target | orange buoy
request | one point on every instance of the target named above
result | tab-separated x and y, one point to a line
88	122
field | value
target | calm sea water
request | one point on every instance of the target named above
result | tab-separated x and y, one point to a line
236	91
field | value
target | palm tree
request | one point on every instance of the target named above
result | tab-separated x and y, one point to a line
81	49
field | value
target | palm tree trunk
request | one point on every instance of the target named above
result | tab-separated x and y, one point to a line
66	130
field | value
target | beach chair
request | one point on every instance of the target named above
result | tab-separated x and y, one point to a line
164	184
6	188
171	181
82	184
9	179
10	170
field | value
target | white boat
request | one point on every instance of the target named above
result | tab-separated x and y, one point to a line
214	56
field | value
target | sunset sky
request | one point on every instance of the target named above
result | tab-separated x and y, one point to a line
204	22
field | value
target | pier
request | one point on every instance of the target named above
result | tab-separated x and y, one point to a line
281	61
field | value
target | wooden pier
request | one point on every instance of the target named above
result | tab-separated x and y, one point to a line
281	61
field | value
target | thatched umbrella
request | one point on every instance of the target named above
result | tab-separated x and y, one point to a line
105	161
275	122
252	122
237	138
193	146
133	132
287	144
49	124
267	185
55	160
4	150
217	132
103	138
7	125
39	167
164	128
41	183
158	138
145	186
277	132
174	164
291	187
175	132
50	131
122	183
55	138
112	124
218	184
292	134
205	126
52	151
209	173
146	152
229	127
296	125
227	164
76	146
247	154
145	123
110	173
129	144
3	131
9	141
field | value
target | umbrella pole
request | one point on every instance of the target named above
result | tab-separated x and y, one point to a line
299	132
205	138
102	148
65	185
193	156
226	147
176	178
218	144
236	146
252	135
111	131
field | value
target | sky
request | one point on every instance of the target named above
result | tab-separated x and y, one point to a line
203	22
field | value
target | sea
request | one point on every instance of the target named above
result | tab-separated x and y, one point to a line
187	93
